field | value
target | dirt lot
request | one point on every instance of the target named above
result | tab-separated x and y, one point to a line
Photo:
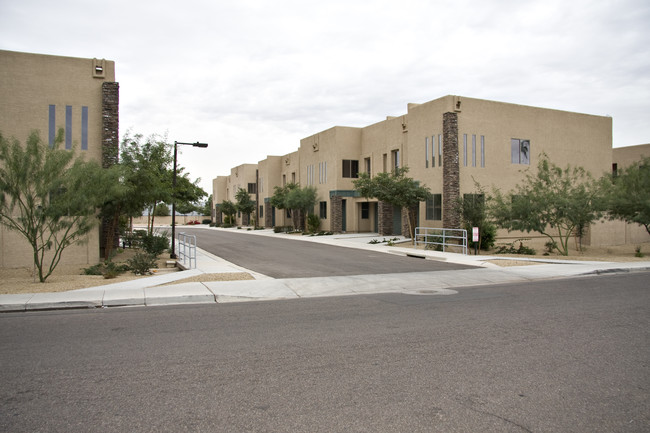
23	280
66	277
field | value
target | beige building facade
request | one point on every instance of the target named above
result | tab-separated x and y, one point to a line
449	144
45	93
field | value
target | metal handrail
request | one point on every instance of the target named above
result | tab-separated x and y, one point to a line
441	236
187	250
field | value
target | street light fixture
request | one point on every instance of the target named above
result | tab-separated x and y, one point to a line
176	143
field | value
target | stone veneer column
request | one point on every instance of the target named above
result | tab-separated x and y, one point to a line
336	213
110	150
385	216
218	216
450	171
110	123
268	215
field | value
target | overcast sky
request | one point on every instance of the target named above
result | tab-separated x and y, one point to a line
253	77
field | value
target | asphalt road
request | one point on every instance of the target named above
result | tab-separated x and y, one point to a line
287	258
557	356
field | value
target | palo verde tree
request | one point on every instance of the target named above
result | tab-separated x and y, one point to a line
628	194
244	203
48	196
394	188
279	199
188	194
147	173
473	211
229	209
302	200
555	202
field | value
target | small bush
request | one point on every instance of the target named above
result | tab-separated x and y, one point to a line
93	270
155	244
282	229
511	249
206	221
108	269
141	263
313	223
637	252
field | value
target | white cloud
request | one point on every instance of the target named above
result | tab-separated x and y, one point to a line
252	77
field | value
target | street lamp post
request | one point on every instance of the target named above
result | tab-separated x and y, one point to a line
176	143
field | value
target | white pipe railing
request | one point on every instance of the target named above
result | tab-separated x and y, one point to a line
433	238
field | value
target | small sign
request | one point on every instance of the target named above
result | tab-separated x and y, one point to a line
474	234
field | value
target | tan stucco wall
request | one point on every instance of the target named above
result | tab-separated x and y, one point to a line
625	156
29	84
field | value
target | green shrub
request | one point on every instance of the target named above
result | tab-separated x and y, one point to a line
93	270
108	269
511	249
141	263
155	244
637	252
206	221
313	223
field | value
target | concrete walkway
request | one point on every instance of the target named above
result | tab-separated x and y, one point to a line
157	290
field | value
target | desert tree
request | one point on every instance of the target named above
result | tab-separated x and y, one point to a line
394	188
556	202
49	196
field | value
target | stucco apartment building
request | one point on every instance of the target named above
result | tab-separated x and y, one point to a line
45	93
449	144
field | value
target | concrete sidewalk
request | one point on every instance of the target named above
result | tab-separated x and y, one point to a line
157	290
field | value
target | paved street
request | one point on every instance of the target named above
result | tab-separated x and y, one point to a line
288	258
550	356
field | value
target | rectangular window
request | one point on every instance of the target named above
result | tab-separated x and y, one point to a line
474	198
439	150
288	213
482	151
323	210
84	128
434	207
365	210
366	162
261	211
284	179
350	168
385	166
252	188
52	125
293	177
68	127
519	151
426	152
473	150
261	184
395	159
465	150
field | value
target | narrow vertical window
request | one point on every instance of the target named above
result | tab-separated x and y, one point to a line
68	127
52	125
367	163
84	128
465	150
433	151
439	150
426	152
482	151
473	150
